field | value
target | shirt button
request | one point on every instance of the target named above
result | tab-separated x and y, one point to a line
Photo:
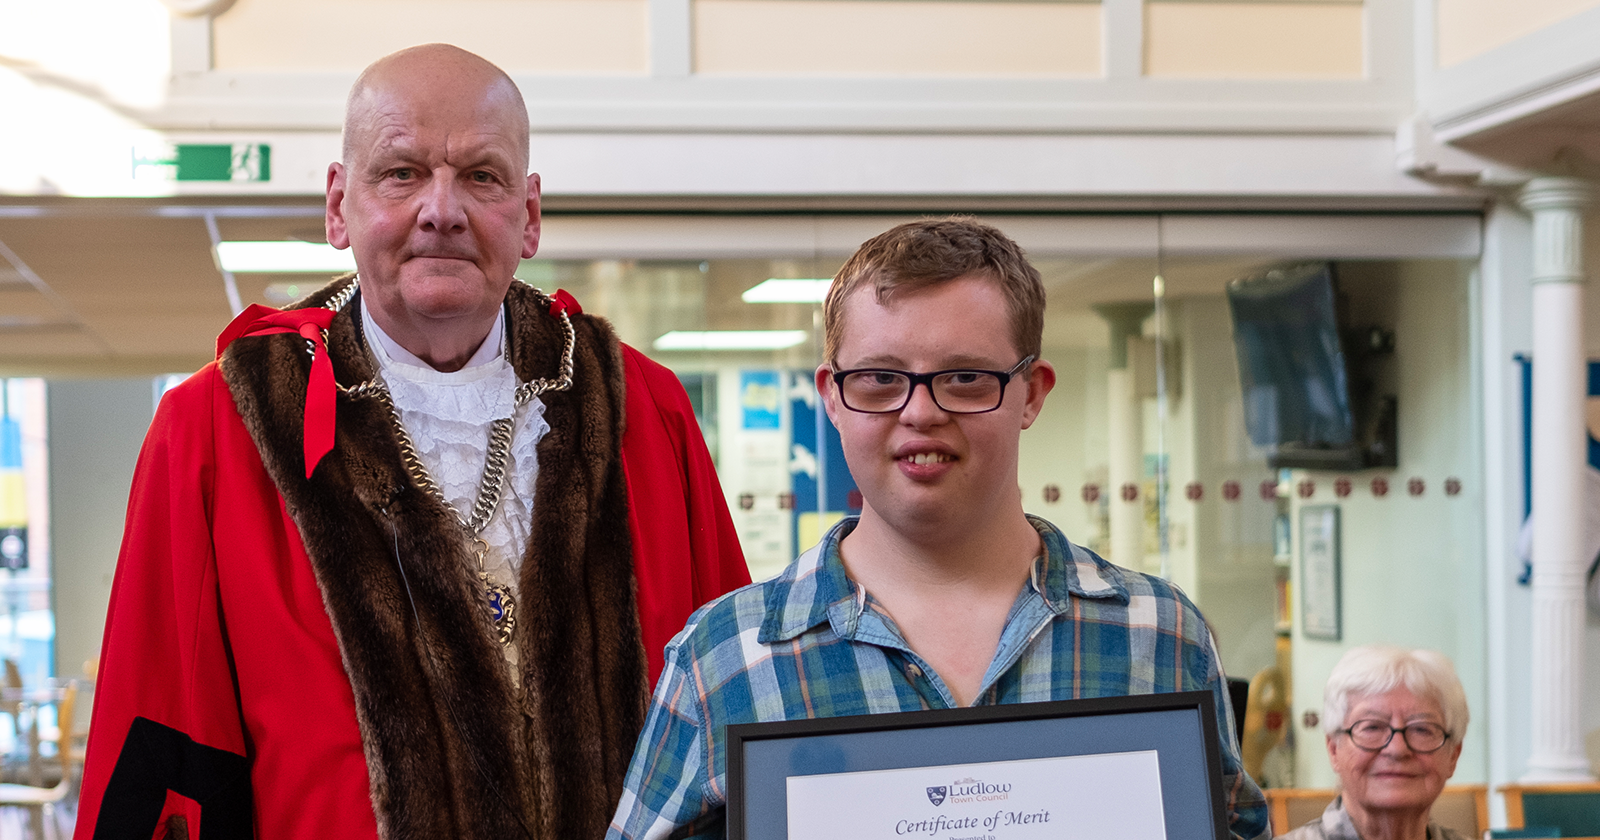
913	672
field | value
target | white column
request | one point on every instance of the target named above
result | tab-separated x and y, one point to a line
1560	453
1125	445
1124	435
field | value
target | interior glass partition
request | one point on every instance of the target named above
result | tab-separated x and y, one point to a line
746	362
1143	451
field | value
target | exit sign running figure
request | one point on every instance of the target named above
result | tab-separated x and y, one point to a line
205	162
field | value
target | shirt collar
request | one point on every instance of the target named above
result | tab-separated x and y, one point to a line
814	588
389	352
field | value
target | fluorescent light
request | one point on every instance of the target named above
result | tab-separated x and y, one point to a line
730	340
779	290
283	258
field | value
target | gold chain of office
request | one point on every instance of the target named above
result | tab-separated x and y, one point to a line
502	607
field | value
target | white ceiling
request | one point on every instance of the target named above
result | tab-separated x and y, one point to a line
107	288
115	287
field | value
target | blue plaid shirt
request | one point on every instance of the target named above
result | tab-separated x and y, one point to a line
810	643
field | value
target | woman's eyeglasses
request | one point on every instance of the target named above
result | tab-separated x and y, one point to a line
1374	735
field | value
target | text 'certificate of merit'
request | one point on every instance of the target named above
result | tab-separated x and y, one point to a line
1111	796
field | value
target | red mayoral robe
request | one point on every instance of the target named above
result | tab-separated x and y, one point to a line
291	657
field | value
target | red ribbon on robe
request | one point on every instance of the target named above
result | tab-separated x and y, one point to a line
563	301
321	391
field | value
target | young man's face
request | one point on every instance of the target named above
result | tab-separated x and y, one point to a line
923	470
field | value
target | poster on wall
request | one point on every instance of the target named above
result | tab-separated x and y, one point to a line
1319	572
754	465
817	472
759	393
13	494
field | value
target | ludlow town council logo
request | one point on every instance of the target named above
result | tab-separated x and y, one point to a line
969	790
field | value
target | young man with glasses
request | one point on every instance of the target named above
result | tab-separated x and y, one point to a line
943	593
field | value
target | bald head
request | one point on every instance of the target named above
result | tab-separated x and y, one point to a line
434	197
432	75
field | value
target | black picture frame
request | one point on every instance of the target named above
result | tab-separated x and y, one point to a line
1180	726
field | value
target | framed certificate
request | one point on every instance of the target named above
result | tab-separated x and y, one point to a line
1320	608
1146	767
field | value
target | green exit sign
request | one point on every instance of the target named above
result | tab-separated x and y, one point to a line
205	162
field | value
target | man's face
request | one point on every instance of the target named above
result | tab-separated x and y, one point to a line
435	201
923	470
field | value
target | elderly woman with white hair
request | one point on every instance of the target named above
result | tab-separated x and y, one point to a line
1394	719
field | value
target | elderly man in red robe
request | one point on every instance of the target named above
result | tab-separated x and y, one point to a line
402	561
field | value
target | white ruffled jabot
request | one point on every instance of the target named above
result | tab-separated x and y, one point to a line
448	417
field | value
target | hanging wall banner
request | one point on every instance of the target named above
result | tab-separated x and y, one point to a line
1591	513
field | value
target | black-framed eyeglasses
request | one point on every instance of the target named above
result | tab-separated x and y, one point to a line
1374	735
957	391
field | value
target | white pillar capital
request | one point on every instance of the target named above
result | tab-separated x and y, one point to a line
1556	192
1557	204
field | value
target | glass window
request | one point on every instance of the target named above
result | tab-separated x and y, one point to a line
1143	452
27	622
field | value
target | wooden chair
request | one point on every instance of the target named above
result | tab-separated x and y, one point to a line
41	801
1573	807
1464	808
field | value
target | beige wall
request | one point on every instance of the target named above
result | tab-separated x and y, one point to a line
557	37
896	38
96	429
1468	28
1245	39
1254	40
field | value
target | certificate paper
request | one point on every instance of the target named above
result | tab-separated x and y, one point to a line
1110	796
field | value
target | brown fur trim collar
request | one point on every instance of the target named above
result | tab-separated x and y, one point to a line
453	748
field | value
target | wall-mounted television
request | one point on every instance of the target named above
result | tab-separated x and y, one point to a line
1308	395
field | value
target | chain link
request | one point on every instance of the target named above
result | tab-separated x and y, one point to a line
492	485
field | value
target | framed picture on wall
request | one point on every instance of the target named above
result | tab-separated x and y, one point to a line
1320	606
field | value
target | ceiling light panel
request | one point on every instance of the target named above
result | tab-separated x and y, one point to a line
288	257
730	340
783	290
